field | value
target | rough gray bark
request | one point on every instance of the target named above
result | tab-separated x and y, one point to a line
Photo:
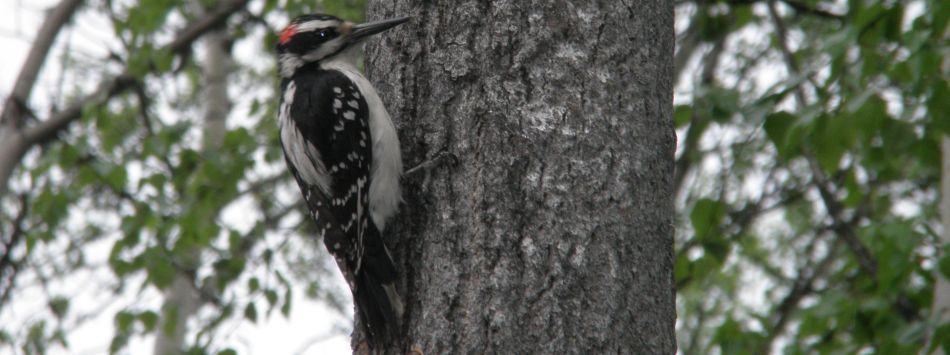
554	234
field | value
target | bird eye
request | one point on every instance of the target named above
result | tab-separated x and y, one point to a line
322	34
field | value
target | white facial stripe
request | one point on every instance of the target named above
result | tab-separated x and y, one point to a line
325	49
319	24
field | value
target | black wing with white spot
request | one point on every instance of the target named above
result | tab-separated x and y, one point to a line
326	139
333	117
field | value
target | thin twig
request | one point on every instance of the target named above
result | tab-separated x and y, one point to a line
707	78
801	287
846	231
836	212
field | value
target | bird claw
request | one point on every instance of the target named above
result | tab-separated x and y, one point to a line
428	164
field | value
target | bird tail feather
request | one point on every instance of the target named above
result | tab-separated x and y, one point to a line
378	303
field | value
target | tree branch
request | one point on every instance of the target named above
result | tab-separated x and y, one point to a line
707	79
839	225
15	106
686	46
846	231
801	287
109	88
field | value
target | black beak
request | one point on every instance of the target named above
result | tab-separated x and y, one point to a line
364	30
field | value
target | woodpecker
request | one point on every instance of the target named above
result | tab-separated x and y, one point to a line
341	146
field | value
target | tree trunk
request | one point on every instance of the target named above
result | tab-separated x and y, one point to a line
940	309
554	233
182	299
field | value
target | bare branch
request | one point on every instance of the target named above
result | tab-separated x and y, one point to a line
707	78
687	46
13	109
846	231
47	129
801	287
782	33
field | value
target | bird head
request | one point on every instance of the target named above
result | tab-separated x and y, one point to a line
319	37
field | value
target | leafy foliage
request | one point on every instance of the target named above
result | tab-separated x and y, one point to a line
809	171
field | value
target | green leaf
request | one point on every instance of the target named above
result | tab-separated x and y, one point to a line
778	127
706	216
149	15
725	103
59	306
734	339
682	115
271	296
253	285
704	266
250	312
868	120
285	308
832	136
743	15
160	270
116	177
944	263
163	60
124	321
941	338
149	319
119	341
713	27
228	270
939	106
681	269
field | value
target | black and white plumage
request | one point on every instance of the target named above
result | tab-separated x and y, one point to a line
341	147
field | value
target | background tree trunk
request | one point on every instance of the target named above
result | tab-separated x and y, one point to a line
182	298
940	309
554	233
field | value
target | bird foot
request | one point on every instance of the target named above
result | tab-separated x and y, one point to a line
440	157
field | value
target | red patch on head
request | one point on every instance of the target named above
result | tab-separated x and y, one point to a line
287	33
